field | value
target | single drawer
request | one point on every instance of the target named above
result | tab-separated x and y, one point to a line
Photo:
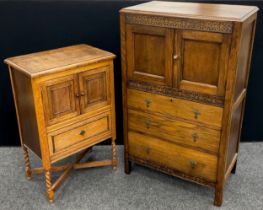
166	154
70	139
177	131
173	107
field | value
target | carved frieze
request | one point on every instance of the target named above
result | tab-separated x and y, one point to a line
173	92
180	23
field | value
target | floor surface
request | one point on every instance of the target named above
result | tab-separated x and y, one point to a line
143	189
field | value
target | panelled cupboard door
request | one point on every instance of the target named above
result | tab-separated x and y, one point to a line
149	54
200	61
94	89
59	99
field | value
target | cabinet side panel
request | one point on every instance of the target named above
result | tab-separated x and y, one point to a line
234	134
244	58
242	74
26	110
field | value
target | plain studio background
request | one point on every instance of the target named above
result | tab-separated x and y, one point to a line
31	26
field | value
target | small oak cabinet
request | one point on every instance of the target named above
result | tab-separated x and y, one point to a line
185	70
65	104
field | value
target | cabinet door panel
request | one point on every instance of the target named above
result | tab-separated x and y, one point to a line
59	98
201	61
94	89
149	54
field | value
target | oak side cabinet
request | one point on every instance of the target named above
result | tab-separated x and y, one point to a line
64	100
185	69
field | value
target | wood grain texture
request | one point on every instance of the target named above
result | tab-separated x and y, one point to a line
179	132
172	107
212	46
51	61
194	10
149	54
26	116
176	93
65	104
94	89
202	61
189	161
75	136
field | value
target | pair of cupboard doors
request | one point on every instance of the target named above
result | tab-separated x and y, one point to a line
183	59
69	96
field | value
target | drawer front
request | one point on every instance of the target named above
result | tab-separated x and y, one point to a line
175	131
70	139
173	107
188	161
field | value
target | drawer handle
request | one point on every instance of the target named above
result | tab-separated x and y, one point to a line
147	123
196	113
175	57
82	93
147	150
82	132
147	102
195	137
193	164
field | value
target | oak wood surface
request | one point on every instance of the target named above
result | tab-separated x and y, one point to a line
202	61
173	107
65	104
22	86
194	10
177	131
50	61
211	54
153	45
186	160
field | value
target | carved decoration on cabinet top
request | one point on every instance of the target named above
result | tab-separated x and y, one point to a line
180	23
173	92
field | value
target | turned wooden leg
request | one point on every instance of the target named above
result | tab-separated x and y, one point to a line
27	163
114	158
233	171
50	192
218	195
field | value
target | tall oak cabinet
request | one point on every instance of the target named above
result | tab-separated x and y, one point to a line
185	70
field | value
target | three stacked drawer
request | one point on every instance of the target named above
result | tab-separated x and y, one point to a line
176	133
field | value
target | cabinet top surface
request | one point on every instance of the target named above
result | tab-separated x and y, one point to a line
39	63
194	10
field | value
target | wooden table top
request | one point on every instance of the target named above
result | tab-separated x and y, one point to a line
194	10
50	61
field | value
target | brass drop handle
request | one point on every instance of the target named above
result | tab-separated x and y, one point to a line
82	93
82	132
193	164
147	150
175	57
147	102
196	113
195	137
147	123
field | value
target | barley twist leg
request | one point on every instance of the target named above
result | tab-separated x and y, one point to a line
114	158
50	192
27	163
